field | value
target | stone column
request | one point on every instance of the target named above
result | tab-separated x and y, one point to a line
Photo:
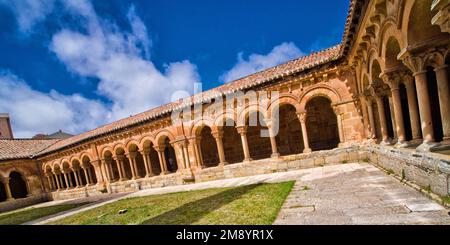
365	117
273	139
104	170
199	152
371	119
7	189
86	176
383	122
147	163
302	118
57	181
53	179
424	106
391	110
79	177
218	136
119	162
242	130
75	173
193	143
339	122
444	99
393	82
110	170
184	148
133	165
413	109
66	181
70	180
50	185
179	156
162	159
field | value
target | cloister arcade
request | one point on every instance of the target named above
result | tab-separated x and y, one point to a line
13	186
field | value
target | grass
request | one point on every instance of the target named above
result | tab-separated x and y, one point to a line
29	214
246	205
446	199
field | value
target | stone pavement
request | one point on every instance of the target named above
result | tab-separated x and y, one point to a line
357	194
340	194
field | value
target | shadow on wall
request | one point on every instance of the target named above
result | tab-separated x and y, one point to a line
191	212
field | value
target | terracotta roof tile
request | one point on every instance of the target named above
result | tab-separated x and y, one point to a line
22	148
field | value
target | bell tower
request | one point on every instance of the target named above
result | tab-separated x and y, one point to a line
5	127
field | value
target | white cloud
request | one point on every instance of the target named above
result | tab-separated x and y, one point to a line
119	59
29	12
257	62
35	112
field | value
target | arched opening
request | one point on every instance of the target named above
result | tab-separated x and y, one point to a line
140	165
420	29
17	185
258	137
388	115
66	175
112	165
376	118
89	170
3	196
289	138
434	103
154	159
405	112
232	143
321	124
380	85
170	156
208	148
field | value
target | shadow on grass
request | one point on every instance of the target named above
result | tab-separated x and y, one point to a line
193	211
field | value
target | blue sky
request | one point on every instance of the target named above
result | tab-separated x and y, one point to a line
78	64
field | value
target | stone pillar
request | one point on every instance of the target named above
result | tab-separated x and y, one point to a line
57	181
302	118
184	148
7	189
339	122
383	121
397	108
273	140
148	165
86	176
371	119
444	99
162	159
53	179
218	136
242	130
132	159
66	180
394	124
424	106
110	170
413	109
80	181
50	185
75	173
179	156
193	143
365	116
70	180
119	162
104	170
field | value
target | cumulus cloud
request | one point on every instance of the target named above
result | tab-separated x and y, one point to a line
98	48
29	12
34	112
257	62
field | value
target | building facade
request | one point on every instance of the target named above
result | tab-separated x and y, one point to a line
382	96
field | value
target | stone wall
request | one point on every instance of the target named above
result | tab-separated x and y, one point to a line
22	202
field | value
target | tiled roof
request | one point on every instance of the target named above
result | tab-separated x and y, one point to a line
22	148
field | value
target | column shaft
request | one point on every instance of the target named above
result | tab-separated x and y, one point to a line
413	109
398	113
383	121
302	118
424	106
444	99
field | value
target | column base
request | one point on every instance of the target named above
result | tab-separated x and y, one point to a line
247	160
275	155
386	142
223	164
401	144
308	150
426	146
149	175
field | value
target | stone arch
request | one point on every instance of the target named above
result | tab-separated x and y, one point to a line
418	23
227	115
391	49
284	99
323	91
18	185
169	154
120	152
146	140
257	135
289	138
321	123
198	125
208	146
106	149
389	30
162	135
232	143
89	170
148	145
245	112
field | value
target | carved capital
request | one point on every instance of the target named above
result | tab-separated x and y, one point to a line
302	117
242	130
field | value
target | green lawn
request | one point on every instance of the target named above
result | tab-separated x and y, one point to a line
29	214
246	205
